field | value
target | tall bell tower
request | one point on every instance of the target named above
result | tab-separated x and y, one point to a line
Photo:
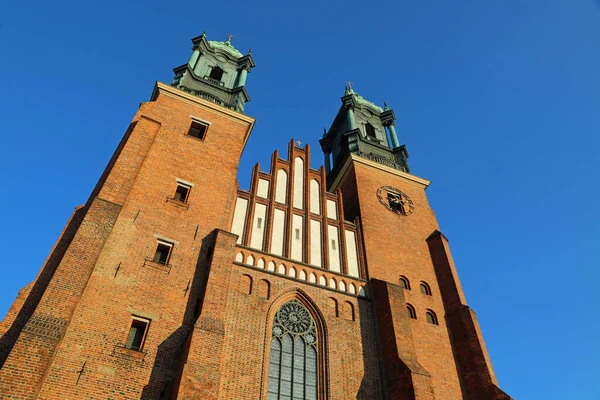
216	71
431	343
114	307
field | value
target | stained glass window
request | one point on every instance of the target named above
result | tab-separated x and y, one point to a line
293	361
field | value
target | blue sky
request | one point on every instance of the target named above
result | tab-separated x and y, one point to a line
497	102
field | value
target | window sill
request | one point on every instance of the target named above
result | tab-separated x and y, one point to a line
178	203
122	351
149	262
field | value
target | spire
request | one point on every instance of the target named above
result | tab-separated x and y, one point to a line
217	72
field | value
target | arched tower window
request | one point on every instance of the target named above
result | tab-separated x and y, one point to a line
293	359
411	311
425	289
431	317
404	282
216	73
370	131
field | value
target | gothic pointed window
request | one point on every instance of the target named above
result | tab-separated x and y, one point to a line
293	359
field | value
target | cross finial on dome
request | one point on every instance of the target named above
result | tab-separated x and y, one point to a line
349	88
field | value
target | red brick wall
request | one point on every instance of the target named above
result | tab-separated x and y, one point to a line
406	253
104	279
234	332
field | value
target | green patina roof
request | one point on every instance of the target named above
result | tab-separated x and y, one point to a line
365	102
227	47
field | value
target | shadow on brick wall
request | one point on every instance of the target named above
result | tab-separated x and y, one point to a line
172	352
370	386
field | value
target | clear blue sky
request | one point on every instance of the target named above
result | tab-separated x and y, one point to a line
496	100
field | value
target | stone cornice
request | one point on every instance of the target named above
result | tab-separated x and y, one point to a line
415	180
173	92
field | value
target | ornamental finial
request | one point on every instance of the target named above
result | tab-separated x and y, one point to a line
229	37
349	88
385	106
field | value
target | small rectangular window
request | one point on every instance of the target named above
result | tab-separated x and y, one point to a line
198	130
163	252
137	333
259	223
297	234
182	192
333	244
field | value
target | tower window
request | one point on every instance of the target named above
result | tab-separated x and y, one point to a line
425	289
198	130
333	245
216	73
370	131
137	333
182	192
404	282
259	223
431	317
412	314
163	252
297	234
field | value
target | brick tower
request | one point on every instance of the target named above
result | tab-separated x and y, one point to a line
173	283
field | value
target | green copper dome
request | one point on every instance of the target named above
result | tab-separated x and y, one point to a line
365	102
225	46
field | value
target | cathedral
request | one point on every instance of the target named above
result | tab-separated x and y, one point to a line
171	282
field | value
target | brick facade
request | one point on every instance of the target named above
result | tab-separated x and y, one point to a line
211	306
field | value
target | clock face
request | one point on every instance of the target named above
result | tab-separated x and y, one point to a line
395	200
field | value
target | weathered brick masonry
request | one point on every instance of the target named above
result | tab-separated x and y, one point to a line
352	247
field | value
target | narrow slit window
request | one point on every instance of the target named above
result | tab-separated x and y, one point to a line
297	234
163	252
259	223
404	282
137	333
333	245
431	317
182	192
425	289
198	130
411	312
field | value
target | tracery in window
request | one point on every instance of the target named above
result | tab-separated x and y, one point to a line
293	360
